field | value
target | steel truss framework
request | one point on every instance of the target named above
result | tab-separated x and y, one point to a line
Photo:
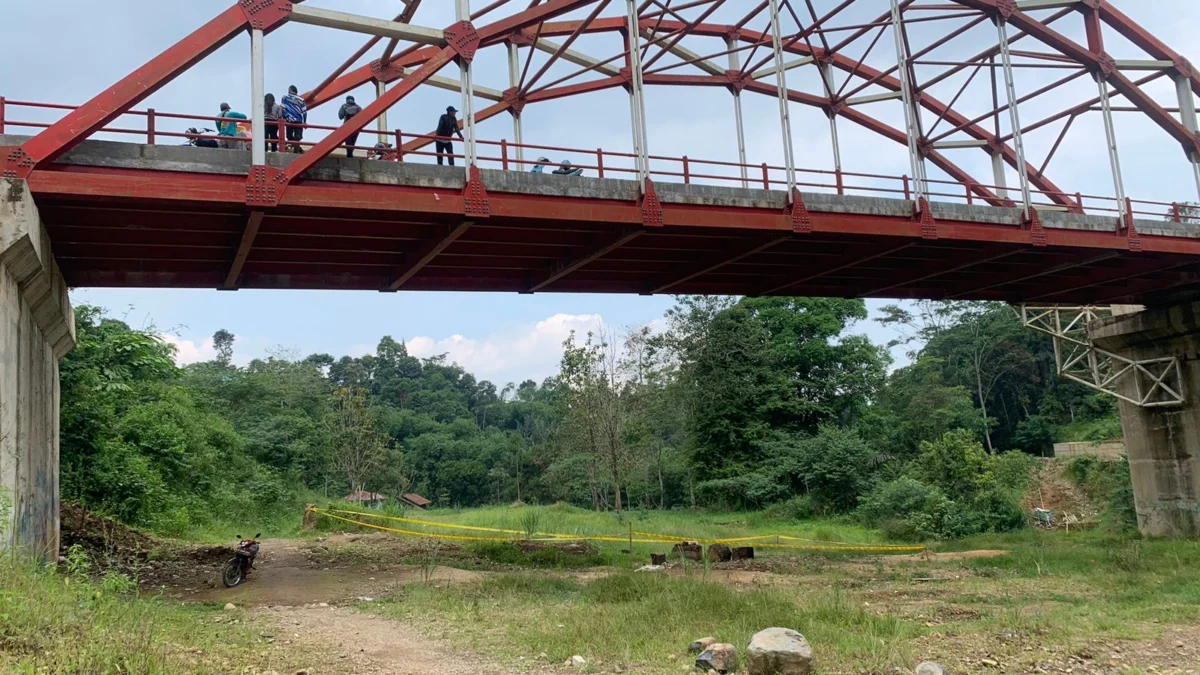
1153	383
663	44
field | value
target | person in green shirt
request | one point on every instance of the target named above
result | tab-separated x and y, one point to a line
230	129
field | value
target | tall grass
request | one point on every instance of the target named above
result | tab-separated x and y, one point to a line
64	623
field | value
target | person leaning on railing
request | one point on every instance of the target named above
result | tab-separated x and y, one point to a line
228	130
295	113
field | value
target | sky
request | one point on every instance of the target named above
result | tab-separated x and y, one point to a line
507	338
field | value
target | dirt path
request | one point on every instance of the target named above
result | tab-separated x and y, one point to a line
338	640
284	576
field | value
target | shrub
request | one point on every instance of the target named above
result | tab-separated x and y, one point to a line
1108	482
835	464
1013	470
910	510
957	463
796	508
749	491
998	510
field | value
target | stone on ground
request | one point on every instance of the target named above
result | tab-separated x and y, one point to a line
650	568
931	668
229	607
718	658
700	645
743	553
577	661
779	651
719	553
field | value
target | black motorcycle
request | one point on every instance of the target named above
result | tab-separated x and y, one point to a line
237	569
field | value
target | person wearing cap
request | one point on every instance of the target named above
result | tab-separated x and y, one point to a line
228	130
565	169
447	127
541	165
347	113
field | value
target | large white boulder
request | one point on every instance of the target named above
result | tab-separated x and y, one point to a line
779	651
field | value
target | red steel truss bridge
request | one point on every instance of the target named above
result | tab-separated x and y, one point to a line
1011	82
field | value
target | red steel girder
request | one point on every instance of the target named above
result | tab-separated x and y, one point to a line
418	261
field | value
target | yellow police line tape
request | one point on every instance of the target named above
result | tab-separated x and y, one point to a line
642	537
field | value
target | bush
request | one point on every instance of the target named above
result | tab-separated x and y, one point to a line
749	491
957	463
1013	470
835	465
910	510
1108	482
998	510
796	508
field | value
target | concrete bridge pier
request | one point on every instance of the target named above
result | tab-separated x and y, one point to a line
1163	443
37	328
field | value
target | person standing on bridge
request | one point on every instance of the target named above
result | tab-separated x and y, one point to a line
228	130
446	129
349	110
271	133
295	113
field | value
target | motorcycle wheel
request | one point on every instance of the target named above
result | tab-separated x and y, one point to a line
234	574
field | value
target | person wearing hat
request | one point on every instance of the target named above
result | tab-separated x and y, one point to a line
447	127
228	130
347	113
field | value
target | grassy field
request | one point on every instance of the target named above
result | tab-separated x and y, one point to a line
1079	600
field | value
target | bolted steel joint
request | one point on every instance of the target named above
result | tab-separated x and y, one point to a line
994	146
462	38
386	73
734	35
1106	65
19	165
266	15
521	38
1184	67
1092	4
737	80
1006	8
627	76
835	108
515	100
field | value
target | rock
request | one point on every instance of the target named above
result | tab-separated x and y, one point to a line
229	607
363	598
650	568
688	549
577	661
719	553
931	668
700	645
991	663
779	651
718	658
743	553
658	559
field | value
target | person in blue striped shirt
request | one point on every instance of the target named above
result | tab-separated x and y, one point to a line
295	113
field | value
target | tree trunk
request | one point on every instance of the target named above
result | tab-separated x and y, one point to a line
987	432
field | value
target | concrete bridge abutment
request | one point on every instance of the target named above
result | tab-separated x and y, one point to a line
37	328
1163	443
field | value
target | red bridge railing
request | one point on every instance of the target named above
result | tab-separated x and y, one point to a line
503	154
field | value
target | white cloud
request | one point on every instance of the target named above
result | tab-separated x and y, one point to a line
188	352
512	354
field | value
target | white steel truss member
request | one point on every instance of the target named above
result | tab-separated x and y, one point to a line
735	65
827	79
1110	135
1187	114
1014	116
1155	382
514	79
463	12
258	108
912	116
381	124
637	103
785	117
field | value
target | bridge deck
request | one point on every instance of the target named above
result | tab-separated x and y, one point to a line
129	215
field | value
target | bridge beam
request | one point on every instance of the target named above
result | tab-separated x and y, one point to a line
37	328
1163	443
